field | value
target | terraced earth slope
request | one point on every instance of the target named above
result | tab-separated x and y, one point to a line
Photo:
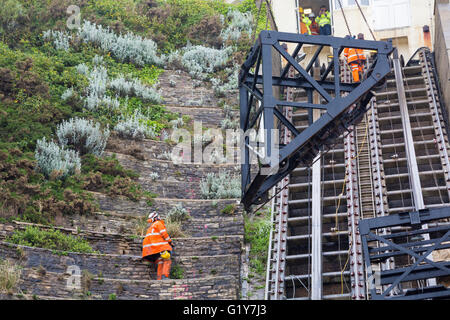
206	264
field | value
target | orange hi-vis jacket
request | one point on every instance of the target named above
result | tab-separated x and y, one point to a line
156	239
354	55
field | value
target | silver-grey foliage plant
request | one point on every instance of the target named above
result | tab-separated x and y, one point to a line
239	22
61	40
125	47
199	60
135	127
55	160
220	186
134	87
178	213
83	135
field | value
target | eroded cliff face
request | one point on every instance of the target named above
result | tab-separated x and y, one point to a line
89	100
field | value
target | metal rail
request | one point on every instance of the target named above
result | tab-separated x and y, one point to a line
353	204
278	240
438	121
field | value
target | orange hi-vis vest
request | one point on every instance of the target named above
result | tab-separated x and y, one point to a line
156	239
354	55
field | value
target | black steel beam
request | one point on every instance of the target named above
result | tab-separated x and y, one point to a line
300	83
418	251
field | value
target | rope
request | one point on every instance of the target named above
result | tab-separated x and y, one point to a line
269	9
345	266
267	15
293	286
364	17
345	18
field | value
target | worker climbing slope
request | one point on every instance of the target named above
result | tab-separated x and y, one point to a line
157	246
356	59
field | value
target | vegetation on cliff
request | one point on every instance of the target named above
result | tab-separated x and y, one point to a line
102	73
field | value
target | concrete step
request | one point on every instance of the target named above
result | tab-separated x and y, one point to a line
167	170
117	266
208	116
197	208
123	224
22	296
113	243
174	181
37	283
146	149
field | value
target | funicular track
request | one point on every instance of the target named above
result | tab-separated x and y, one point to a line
366	175
299	231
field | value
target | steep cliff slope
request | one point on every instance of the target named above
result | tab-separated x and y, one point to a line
87	115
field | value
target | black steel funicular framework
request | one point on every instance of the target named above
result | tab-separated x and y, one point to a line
337	116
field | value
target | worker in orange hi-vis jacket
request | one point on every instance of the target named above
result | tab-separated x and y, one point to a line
356	60
157	246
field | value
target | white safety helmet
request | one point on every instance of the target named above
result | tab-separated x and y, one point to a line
153	216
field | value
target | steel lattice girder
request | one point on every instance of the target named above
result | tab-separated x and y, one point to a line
321	134
394	245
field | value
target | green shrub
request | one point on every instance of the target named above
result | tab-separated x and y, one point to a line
176	272
12	13
50	239
257	233
117	10
229	209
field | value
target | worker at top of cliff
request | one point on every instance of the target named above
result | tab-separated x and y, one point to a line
307	22
324	21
